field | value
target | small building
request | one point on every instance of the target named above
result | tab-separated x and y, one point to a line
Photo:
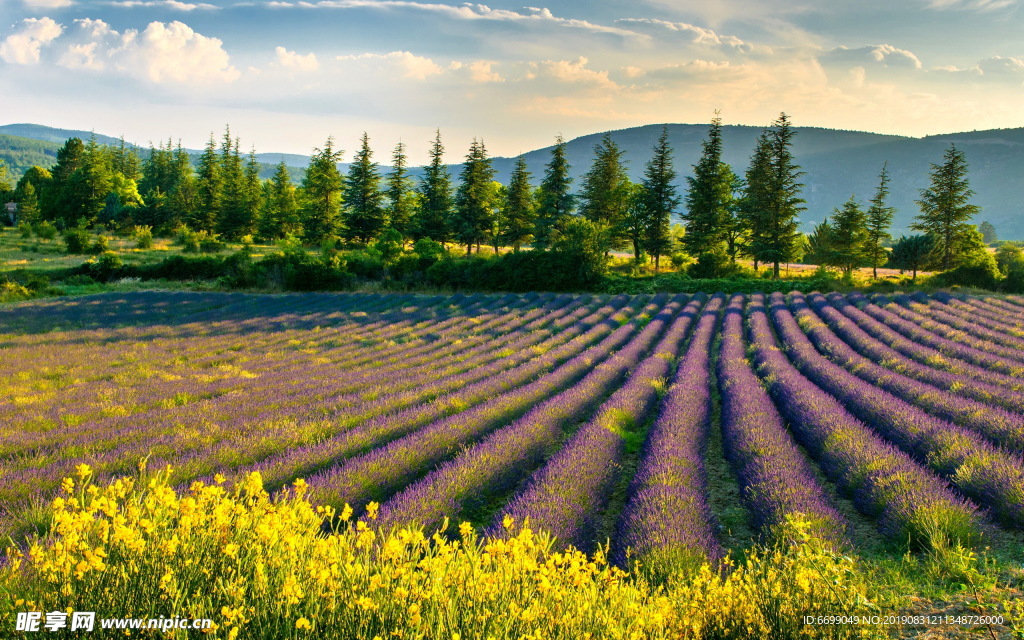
12	212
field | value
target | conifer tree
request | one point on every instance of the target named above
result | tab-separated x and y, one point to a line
55	201
773	196
554	200
475	198
519	210
279	215
364	210
209	188
401	200
847	241
604	192
433	219
946	212
660	199
232	220
321	194
709	197
88	187
879	218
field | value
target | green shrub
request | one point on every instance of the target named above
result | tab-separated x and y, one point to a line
100	246
105	267
365	263
76	240
25	229
45	230
143	237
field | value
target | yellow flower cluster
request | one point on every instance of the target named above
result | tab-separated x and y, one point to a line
263	567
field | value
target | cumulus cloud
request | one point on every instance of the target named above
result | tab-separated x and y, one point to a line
883	55
691	33
405	63
162	53
24	46
296	61
570	72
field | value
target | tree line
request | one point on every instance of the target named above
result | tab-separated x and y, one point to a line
724	216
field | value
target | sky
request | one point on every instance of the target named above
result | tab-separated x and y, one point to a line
286	74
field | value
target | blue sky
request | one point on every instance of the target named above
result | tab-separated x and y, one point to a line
287	73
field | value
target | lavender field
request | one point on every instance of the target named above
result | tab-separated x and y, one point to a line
596	417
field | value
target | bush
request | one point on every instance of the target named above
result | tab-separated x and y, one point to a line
76	240
105	267
302	272
365	263
45	230
100	246
143	237
25	229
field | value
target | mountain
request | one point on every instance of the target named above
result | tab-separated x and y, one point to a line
837	163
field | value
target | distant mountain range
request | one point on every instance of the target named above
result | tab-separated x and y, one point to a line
837	163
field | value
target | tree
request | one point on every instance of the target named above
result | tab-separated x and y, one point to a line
709	197
554	201
946	212
321	194
34	182
911	253
54	200
435	195
879	218
519	209
774	196
756	195
209	188
364	210
400	195
604	192
280	212
988	232
847	237
583	246
474	199
659	199
86	191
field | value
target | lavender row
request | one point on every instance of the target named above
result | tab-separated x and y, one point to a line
494	465
667	521
963	334
776	478
568	495
998	425
948	348
200	454
381	472
984	311
988	474
879	343
971	321
911	503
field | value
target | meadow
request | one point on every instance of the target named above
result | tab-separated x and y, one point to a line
516	466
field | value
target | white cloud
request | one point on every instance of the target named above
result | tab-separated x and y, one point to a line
692	33
482	71
168	4
570	72
47	4
466	11
25	45
884	55
406	63
293	60
1000	65
972	5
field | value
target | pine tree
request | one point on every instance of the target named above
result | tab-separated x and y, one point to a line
126	161
911	253
774	196
280	212
364	211
755	198
879	218
433	219
519	210
210	190
54	200
232	221
945	211
34	182
604	192
321	194
988	233
709	197
660	200
554	201
400	195
87	189
848	238
475	198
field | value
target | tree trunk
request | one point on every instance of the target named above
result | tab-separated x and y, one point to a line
775	269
